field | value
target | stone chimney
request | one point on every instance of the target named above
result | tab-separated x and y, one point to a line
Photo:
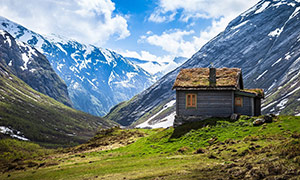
212	76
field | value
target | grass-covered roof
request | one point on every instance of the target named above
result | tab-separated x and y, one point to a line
199	77
257	92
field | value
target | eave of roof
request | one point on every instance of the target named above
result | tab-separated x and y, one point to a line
257	92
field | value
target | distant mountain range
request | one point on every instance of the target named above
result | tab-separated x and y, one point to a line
264	41
158	69
96	78
28	114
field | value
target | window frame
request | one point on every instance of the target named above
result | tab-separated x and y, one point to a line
191	100
238	101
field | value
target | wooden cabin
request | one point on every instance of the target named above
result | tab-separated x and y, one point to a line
215	92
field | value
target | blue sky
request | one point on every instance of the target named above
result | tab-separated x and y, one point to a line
147	29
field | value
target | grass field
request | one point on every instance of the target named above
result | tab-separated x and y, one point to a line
212	149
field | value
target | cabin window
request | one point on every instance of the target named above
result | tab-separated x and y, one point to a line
191	100
238	101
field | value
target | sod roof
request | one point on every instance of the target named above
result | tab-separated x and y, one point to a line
199	78
257	92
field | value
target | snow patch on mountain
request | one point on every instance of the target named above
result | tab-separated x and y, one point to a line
276	32
282	103
12	133
62	49
57	38
261	75
165	122
287	56
8	40
293	91
263	7
276	62
26	60
295	13
108	56
239	25
10	63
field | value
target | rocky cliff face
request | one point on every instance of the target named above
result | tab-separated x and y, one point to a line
97	78
32	67
264	41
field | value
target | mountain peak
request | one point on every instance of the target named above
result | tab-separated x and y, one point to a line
97	78
32	67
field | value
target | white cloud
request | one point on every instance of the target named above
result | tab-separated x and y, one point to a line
89	21
145	55
199	9
166	62
171	41
156	17
176	43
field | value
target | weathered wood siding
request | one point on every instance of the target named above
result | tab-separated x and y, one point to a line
247	108
210	103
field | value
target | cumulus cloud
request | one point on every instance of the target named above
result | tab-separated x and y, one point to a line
175	42
166	62
199	9
89	21
157	17
172	41
145	55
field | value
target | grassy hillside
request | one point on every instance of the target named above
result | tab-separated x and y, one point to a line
42	119
212	149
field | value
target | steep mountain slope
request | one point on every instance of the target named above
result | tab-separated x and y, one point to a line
264	41
96	78
28	114
32	67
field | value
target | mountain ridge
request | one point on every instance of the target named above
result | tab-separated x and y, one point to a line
96	78
32	67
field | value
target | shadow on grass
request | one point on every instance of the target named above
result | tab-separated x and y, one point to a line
185	128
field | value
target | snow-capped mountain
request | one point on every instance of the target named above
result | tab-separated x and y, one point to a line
27	114
97	78
32	67
264	41
158	69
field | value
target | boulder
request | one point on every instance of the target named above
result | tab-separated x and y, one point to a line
200	151
234	117
268	118
258	122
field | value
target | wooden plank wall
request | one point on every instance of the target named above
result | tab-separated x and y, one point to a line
247	108
211	103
